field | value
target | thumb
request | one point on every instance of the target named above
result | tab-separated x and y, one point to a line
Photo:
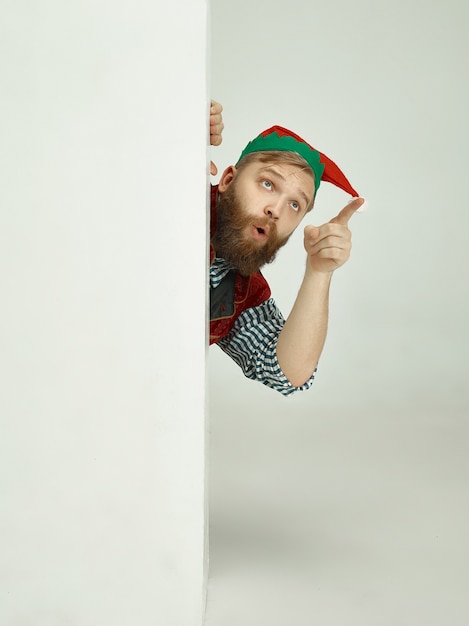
213	169
311	232
347	212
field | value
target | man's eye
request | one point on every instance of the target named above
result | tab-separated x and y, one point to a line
267	184
295	206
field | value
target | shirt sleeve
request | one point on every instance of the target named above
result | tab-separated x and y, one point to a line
252	344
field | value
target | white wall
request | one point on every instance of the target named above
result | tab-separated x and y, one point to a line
102	212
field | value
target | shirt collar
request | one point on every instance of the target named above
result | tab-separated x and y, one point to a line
218	270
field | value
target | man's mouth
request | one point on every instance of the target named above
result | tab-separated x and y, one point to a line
260	233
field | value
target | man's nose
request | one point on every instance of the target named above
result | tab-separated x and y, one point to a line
273	208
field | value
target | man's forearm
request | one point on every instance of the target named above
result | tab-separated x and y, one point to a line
302	338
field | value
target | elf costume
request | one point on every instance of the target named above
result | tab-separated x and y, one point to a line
236	293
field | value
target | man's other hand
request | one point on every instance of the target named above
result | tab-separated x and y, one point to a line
216	129
216	123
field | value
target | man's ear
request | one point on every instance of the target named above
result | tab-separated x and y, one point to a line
226	178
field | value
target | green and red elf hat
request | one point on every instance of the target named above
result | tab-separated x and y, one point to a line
282	139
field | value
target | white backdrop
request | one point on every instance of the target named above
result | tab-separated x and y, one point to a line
382	89
348	504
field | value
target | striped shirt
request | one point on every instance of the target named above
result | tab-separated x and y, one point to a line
252	342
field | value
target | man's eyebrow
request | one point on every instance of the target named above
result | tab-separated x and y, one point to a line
274	172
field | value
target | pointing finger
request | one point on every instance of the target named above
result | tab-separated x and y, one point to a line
347	212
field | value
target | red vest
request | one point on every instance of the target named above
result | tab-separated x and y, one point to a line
235	294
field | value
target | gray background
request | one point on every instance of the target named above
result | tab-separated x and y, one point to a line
364	476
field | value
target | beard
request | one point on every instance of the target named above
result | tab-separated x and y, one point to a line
231	242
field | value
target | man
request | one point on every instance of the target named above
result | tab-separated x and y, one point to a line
254	209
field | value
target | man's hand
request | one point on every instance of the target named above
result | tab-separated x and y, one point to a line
216	123
328	246
216	129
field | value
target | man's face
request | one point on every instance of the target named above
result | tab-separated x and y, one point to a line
260	207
